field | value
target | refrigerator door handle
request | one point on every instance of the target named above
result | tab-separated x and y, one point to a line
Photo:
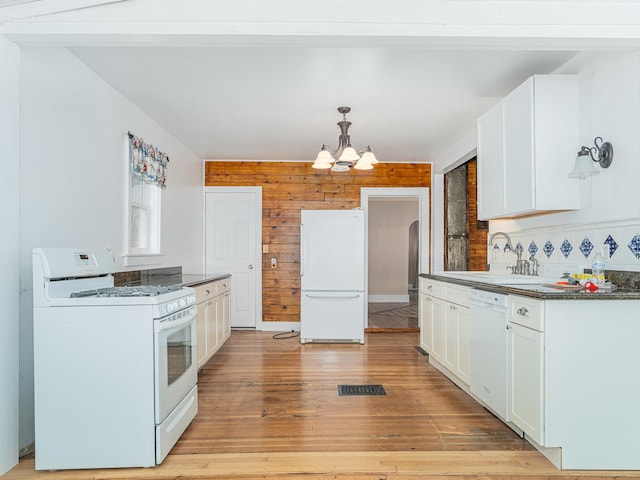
331	295
302	250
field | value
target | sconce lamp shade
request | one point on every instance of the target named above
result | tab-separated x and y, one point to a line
583	167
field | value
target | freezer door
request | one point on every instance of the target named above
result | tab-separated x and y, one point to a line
332	250
332	316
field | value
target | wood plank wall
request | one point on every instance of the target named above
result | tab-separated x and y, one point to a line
287	188
478	230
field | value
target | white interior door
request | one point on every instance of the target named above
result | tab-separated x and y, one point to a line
232	245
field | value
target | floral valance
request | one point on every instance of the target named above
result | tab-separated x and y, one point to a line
147	162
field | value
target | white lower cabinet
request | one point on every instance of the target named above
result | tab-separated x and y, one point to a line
444	327
526	386
212	322
526	366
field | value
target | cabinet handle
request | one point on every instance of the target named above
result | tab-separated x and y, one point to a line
452	307
430	287
207	292
523	311
224	285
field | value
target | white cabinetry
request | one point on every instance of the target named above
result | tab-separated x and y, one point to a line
444	327
572	380
527	145
212	322
526	367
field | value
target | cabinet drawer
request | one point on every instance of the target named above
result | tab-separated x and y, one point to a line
456	294
212	289
526	312
431	287
223	286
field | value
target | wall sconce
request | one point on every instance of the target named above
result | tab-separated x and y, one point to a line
603	154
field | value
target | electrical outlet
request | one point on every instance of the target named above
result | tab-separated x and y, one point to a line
274	263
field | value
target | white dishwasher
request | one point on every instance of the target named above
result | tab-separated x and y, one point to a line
489	349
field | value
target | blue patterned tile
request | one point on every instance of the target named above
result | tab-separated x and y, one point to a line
566	248
613	246
533	248
586	246
519	247
548	248
634	245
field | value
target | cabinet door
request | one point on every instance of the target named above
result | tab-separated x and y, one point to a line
491	164
201	334
456	342
450	359
526	394
437	329
463	363
226	315
425	313
519	173
219	302
212	334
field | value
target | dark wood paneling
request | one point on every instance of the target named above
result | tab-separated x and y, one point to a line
287	188
477	236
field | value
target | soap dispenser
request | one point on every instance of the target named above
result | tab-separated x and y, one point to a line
597	269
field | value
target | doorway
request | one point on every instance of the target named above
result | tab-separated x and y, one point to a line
397	251
233	226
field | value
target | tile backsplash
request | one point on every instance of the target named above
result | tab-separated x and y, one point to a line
572	248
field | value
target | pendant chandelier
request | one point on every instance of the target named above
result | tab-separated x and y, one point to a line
346	155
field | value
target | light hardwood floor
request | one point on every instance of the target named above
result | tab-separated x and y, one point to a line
270	409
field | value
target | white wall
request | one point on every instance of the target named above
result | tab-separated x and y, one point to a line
9	247
388	239
73	179
609	84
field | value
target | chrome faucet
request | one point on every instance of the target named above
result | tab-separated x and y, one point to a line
535	265
508	246
522	267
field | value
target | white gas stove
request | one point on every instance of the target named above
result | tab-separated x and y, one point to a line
114	367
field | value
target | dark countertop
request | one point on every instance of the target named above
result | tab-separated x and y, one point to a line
540	292
166	277
195	279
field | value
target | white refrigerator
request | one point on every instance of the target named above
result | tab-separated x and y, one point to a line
332	271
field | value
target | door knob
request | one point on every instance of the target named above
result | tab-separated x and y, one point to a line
250	267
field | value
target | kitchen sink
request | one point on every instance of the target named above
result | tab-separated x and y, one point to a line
497	278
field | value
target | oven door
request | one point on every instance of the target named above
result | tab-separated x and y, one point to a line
175	360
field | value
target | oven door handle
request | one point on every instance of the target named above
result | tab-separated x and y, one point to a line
161	326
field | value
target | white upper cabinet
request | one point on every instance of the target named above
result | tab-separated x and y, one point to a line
527	145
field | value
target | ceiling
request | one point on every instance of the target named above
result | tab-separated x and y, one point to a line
264	83
266	102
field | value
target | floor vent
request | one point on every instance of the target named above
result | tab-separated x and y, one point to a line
353	390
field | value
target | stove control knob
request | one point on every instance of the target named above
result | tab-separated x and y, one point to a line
171	307
183	303
191	300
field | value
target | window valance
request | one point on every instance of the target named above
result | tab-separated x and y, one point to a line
147	162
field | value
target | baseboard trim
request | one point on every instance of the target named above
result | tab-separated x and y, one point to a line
388	298
279	327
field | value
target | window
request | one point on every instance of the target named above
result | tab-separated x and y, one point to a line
144	217
146	180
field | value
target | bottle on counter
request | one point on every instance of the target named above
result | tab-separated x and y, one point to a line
597	269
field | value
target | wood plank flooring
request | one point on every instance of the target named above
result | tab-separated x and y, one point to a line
394	316
269	408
